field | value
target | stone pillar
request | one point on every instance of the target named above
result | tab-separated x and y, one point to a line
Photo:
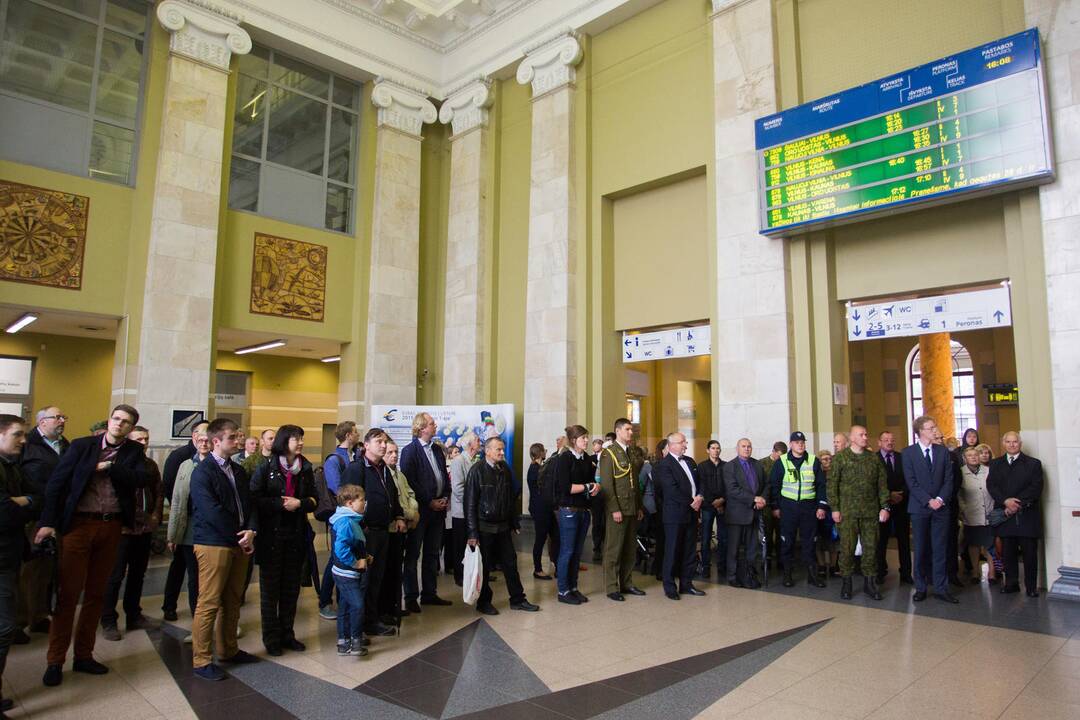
1059	25
390	347
936	374
170	367
464	371
551	301
752	363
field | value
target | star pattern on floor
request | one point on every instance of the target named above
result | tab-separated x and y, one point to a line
473	674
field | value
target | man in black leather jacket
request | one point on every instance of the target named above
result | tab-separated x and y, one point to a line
491	520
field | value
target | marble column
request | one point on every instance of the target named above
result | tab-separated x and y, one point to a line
389	374
1059	25
551	295
936	374
752	366
171	366
464	371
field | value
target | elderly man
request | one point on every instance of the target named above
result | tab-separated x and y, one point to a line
839	442
676	478
459	469
747	494
424	466
1016	483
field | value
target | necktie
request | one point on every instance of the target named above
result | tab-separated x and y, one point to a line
434	469
1010	459
889	461
929	463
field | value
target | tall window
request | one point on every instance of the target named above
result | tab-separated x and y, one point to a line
963	379
71	77
294	142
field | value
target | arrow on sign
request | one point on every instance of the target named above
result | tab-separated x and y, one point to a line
629	355
855	316
857	331
998	315
627	342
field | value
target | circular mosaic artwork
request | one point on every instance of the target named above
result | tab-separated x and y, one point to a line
42	235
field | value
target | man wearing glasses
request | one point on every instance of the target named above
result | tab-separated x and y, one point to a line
45	443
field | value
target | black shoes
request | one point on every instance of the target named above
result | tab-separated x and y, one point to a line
919	596
788	580
541	576
569	598
812	577
735	583
273	650
947	597
1032	593
19	637
412	606
54	675
243	657
434	600
90	666
210	672
633	590
488	609
671	595
955	581
580	596
616	596
1009	589
845	589
169	615
380	630
870	588
693	591
907	580
525	606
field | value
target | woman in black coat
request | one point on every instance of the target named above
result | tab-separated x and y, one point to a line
283	491
1016	483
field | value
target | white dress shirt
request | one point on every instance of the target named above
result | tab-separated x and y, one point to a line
689	475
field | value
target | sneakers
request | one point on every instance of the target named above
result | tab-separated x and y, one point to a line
209	672
110	632
90	666
569	598
344	647
328	613
352	648
580	596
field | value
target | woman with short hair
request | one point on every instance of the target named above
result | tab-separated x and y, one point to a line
574	486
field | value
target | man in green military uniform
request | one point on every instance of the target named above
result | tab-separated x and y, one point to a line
619	480
859	497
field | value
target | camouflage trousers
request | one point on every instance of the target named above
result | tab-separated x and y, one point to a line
852	529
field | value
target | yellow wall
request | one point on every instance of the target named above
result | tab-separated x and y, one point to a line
434	209
72	373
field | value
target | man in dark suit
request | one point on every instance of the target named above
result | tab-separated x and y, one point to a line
899	523
928	472
90	497
1016	482
747	495
677	478
225	523
174	579
424	466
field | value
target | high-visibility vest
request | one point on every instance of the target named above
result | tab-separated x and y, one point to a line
798	484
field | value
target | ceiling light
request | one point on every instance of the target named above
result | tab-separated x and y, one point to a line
332	358
260	346
21	323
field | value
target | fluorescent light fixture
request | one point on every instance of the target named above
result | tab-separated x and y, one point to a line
21	323
261	346
332	358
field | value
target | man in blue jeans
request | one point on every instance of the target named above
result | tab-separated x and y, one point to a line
334	467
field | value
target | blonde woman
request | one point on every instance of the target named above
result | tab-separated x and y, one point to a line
390	610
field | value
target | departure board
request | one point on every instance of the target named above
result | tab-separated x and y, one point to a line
969	123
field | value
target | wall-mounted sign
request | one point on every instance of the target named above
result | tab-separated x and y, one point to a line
15	376
954	312
183	421
667	344
1002	394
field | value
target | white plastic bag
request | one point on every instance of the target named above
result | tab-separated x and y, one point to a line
473	575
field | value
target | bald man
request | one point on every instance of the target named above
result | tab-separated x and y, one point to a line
677	481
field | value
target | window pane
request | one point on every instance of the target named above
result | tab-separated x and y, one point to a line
111	151
255	62
129	15
84	7
338	208
342	145
916	387
248	119
967	385
345	92
297	131
48	55
300	76
118	77
244	184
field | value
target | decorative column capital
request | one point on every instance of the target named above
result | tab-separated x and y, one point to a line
402	108
467	107
550	64
203	31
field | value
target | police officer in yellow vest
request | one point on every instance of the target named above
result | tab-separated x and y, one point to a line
619	480
799	500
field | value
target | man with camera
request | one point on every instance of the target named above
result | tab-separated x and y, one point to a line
18	505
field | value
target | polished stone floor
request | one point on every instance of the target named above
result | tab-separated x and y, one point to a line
779	653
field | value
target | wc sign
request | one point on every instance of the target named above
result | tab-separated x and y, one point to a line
666	344
951	312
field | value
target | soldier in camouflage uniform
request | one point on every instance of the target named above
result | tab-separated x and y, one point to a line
859	498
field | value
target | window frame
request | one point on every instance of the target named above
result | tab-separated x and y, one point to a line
331	106
956	349
90	114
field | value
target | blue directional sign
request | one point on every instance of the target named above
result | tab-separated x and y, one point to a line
954	312
667	344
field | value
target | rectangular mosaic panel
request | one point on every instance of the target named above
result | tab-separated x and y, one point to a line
42	235
288	278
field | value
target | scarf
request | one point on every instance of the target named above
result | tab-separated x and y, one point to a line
291	471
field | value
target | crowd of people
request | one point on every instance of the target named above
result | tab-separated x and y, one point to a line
78	522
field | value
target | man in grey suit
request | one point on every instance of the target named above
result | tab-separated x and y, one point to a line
928	472
747	495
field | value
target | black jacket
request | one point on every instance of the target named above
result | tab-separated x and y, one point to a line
569	471
1022	480
216	519
267	490
739	508
675	487
418	471
173	461
490	502
39	459
75	470
383	506
894	478
712	480
13	518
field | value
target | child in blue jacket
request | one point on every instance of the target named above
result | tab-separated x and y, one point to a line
350	560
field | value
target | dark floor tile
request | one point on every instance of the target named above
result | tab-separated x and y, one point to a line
584	701
448	658
429	698
643	682
406	674
253	707
201	692
524	710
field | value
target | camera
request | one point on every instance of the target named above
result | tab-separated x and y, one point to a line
45	548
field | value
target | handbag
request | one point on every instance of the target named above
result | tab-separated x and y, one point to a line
996	517
472	575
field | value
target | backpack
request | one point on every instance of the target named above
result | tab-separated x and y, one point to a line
327	500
